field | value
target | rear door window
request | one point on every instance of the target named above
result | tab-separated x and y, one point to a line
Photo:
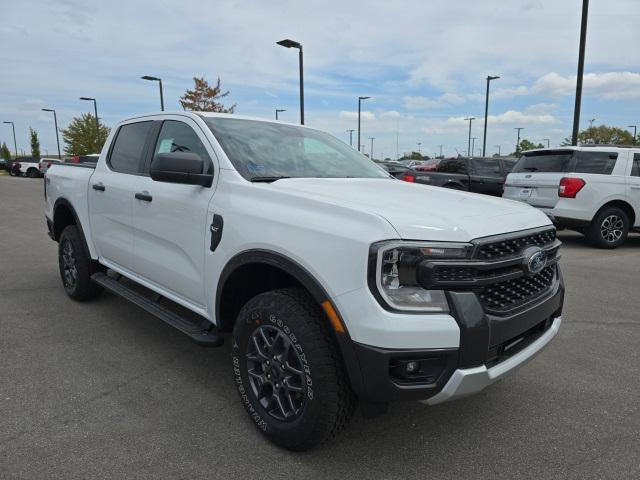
128	147
549	161
453	165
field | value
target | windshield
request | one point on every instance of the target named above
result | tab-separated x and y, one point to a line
544	161
265	151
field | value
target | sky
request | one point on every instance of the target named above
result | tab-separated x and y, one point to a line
423	62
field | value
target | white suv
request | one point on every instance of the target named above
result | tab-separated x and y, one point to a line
594	189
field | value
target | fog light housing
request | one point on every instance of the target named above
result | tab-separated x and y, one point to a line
417	370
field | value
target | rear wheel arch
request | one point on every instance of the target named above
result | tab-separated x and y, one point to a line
64	215
622	205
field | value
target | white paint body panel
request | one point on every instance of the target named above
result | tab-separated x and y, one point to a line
324	225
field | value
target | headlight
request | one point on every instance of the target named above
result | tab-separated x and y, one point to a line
395	275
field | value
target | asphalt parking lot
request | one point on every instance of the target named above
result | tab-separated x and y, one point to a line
104	390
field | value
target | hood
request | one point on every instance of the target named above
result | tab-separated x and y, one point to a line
421	212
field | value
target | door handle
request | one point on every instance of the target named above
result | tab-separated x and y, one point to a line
98	186
145	197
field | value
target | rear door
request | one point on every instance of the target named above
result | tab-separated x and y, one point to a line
633	185
171	219
111	191
486	176
536	177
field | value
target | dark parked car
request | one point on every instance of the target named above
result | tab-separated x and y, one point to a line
399	170
480	175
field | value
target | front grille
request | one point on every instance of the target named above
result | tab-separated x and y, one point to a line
506	296
507	349
512	246
497	272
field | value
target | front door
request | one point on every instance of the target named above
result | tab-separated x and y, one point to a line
171	219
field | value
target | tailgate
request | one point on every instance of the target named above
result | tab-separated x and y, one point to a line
536	189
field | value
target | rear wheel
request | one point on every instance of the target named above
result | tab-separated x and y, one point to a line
288	371
609	228
33	173
76	266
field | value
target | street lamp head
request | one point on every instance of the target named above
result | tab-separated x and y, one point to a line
47	110
8	122
149	77
87	98
281	110
288	43
469	119
491	77
363	98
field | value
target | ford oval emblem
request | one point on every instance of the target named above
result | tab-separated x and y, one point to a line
535	259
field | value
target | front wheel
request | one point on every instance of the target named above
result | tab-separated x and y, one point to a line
33	173
288	370
609	228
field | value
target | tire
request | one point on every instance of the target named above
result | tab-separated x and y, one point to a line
12	173
76	266
33	173
609	228
282	338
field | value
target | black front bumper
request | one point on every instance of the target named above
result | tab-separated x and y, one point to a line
484	340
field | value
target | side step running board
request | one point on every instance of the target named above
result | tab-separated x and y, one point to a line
200	335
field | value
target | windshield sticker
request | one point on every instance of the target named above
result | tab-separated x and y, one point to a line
165	145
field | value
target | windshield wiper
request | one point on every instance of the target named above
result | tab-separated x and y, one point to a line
267	179
530	169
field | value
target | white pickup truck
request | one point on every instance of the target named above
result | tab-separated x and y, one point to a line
335	288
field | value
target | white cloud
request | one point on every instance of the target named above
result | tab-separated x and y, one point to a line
364	115
510	117
605	86
444	100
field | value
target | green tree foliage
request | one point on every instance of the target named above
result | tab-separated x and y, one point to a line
4	151
35	143
80	136
526	145
604	134
203	98
414	156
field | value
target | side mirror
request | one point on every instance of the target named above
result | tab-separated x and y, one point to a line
180	167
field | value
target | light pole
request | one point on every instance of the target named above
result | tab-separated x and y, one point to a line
359	110
473	145
159	80
350	131
548	141
591	122
95	109
486	114
279	110
499	154
15	144
55	121
518	141
470	119
635	130
371	151
287	43
419	147
583	41
440	150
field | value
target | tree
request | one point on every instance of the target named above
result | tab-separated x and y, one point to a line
4	151
203	98
414	156
604	134
526	145
80	136
35	143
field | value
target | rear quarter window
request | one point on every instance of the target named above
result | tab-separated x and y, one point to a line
595	162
